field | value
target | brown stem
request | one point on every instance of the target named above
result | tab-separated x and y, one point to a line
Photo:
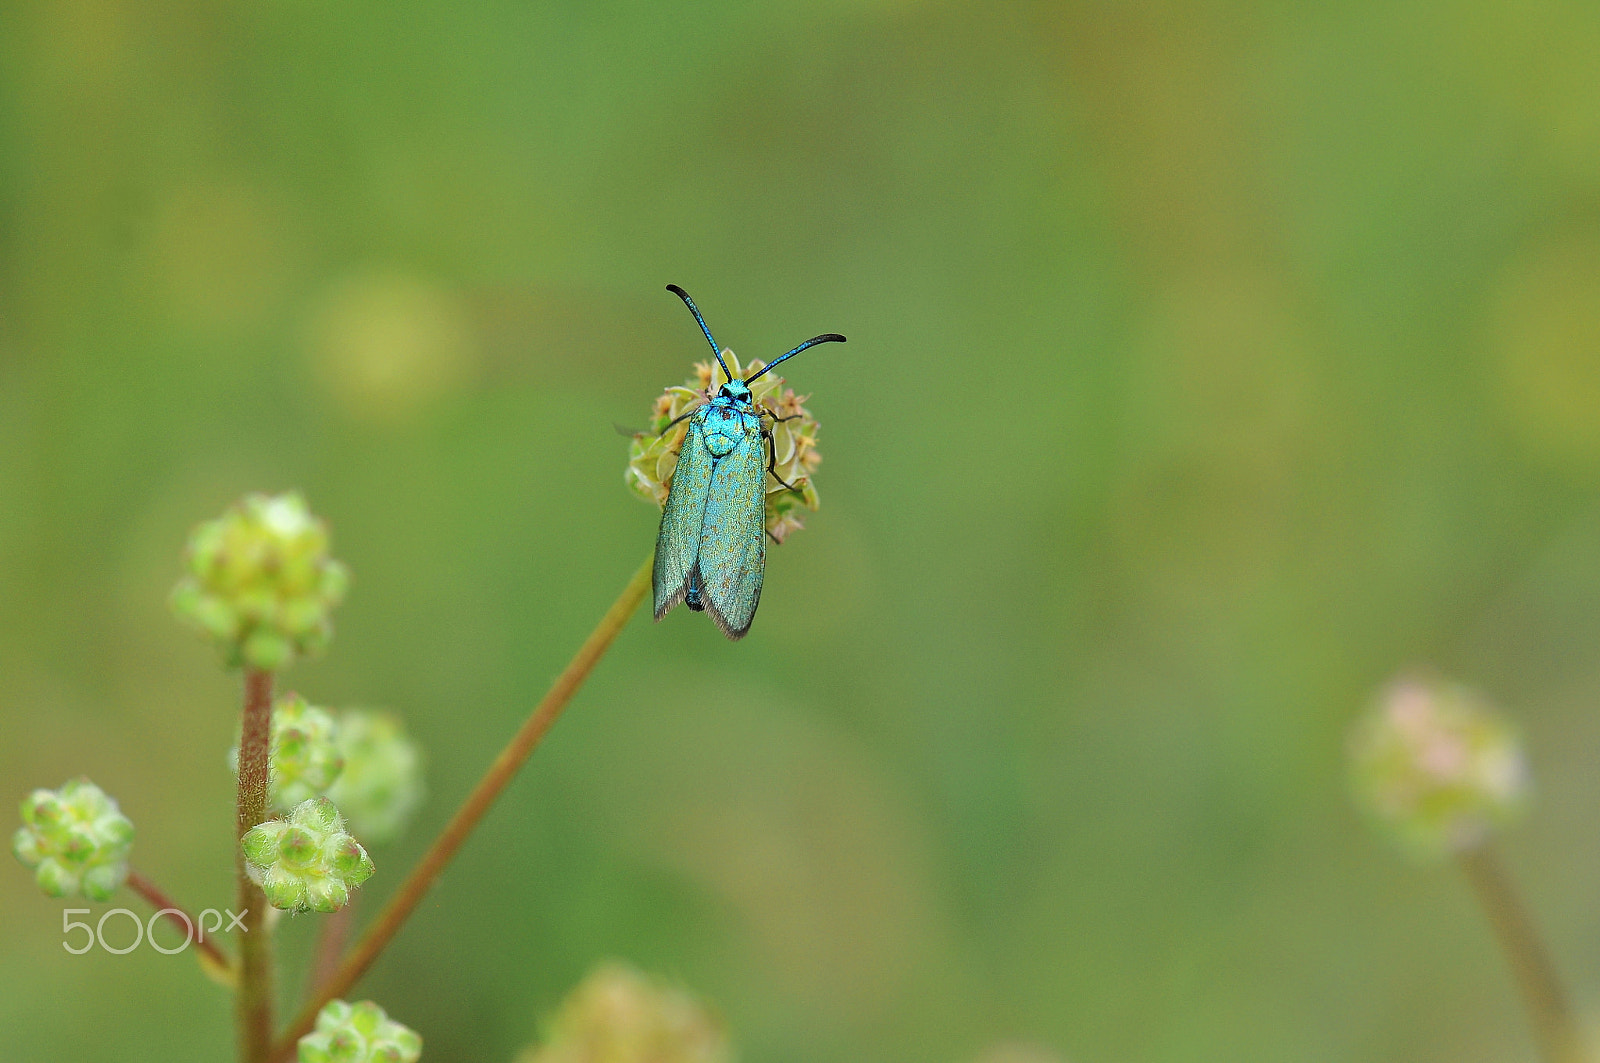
332	936
253	1000
162	903
1554	1025
499	773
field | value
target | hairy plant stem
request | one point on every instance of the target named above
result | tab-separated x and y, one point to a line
178	916
494	780
1554	1025
253	999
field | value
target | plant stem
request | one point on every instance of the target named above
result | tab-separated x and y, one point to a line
332	936
494	780
1554	1025
253	1000
162	903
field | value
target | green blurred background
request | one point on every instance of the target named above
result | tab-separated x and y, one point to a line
1208	364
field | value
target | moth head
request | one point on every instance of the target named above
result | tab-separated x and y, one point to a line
735	390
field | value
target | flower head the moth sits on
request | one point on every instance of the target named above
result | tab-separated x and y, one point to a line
76	839
260	582
653	453
307	862
1437	767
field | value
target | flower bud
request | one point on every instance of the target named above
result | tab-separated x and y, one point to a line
75	839
381	784
260	583
1438	768
620	1016
653	453
306	862
358	1033
305	757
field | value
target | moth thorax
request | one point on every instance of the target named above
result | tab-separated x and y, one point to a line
720	443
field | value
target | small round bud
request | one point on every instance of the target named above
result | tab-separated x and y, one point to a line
381	785
305	758
260	582
260	843
653	453
306	862
618	1015
327	895
348	860
358	1033
298	847
75	839
1435	766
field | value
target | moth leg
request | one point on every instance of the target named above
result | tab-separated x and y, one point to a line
681	416
772	462
775	418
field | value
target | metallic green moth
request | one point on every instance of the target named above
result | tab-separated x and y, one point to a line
711	553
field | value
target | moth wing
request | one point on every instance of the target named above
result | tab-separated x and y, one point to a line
733	541
682	518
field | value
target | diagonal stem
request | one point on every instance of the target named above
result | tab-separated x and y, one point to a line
1554	1026
253	1001
178	916
494	780
332	936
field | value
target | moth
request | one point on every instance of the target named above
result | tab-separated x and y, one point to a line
711	552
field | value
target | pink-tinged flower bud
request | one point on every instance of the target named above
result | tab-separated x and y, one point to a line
1435	766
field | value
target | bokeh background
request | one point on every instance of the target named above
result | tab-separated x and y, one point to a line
1209	363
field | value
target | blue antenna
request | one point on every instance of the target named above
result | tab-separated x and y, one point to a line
827	337
695	310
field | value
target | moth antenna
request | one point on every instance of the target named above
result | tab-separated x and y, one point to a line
827	337
695	310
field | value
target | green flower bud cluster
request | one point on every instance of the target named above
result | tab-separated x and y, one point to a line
617	1015
1436	767
653	454
260	582
306	862
381	785
358	1033
75	839
305	757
